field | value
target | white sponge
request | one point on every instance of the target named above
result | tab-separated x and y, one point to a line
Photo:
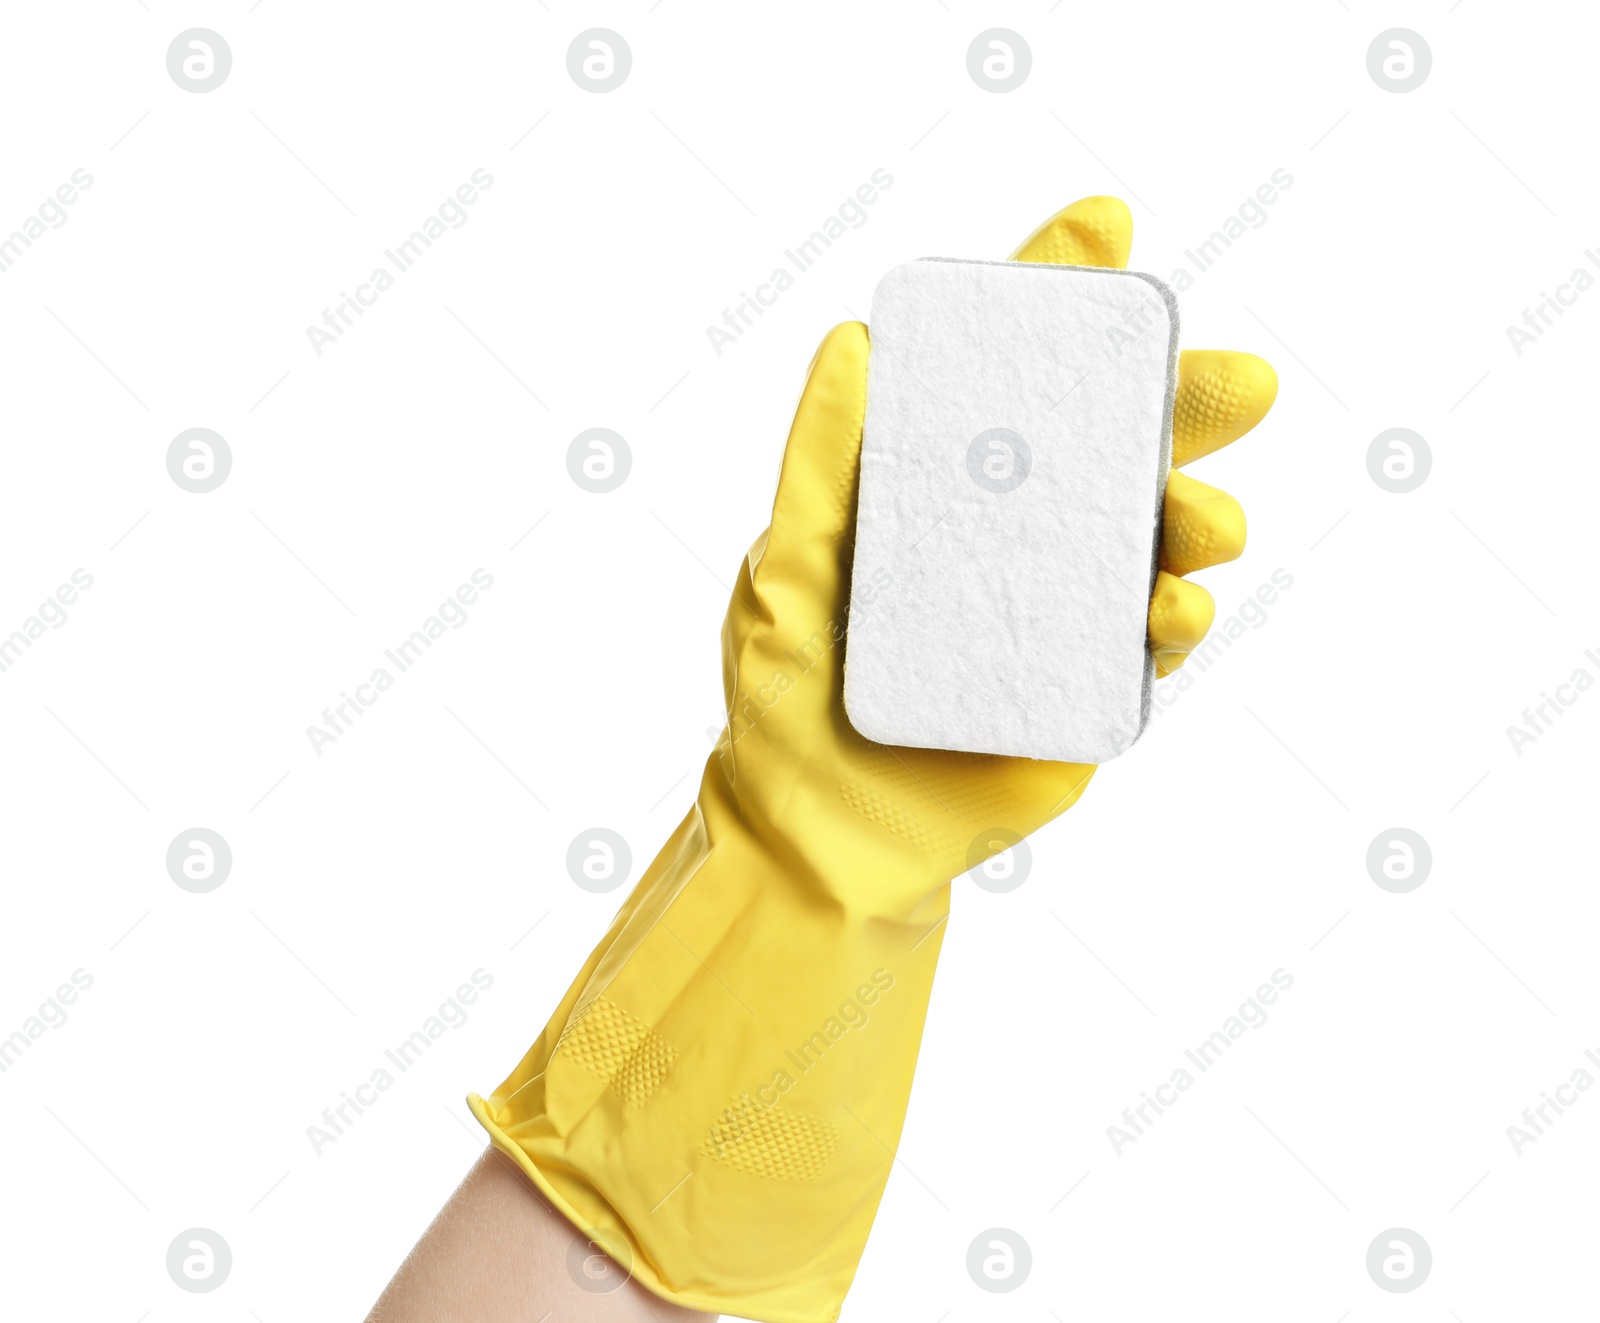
1016	447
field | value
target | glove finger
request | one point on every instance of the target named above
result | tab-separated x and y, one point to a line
1094	231
1201	526
1180	617
815	506
1221	396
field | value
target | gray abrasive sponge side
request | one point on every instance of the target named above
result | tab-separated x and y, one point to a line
1014	456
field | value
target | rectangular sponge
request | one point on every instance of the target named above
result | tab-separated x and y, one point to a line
1017	441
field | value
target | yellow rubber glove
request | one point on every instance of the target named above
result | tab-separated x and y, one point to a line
717	1100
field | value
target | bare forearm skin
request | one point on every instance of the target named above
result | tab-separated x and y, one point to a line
498	1253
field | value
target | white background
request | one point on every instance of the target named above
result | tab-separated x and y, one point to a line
369	881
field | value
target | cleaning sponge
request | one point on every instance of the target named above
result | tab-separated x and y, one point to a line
1017	442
